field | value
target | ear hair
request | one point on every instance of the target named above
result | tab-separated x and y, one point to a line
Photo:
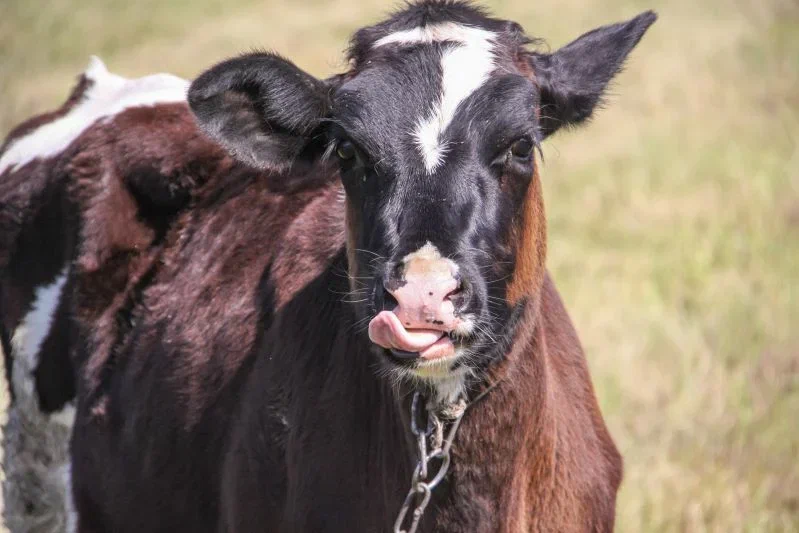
573	80
261	108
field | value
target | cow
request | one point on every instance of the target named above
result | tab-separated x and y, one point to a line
366	280
94	158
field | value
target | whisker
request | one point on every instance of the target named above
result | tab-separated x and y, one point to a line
353	291
362	250
498	280
359	324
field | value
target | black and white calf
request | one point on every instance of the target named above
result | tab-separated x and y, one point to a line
41	164
243	393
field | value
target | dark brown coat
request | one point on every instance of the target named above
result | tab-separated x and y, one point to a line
242	306
227	381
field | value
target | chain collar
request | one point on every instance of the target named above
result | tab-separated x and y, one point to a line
428	428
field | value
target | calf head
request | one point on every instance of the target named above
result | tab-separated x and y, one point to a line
434	128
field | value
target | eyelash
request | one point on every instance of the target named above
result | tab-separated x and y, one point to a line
506	156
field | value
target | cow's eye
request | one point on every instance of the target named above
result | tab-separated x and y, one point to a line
345	150
522	148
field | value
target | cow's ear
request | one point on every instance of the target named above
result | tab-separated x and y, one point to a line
263	109
573	79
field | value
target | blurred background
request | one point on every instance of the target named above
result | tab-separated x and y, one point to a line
674	216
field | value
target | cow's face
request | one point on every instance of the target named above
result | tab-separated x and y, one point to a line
435	129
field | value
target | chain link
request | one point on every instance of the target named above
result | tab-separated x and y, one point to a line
422	483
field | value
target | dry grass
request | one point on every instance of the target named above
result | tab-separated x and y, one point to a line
674	217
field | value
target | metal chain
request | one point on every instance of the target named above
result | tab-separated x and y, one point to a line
422	482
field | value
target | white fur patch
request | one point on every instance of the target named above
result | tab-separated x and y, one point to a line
26	345
465	67
109	95
27	339
466	326
69	499
428	252
427	261
449	390
448	385
66	416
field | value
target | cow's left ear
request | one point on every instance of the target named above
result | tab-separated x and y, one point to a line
573	79
262	108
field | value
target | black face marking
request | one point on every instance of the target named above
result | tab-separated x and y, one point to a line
466	207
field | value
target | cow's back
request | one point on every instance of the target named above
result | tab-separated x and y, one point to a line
89	181
166	354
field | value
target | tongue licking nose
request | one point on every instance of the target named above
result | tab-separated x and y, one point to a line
418	326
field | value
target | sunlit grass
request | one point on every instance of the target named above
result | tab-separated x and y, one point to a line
674	217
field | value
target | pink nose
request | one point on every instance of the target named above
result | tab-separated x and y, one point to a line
424	303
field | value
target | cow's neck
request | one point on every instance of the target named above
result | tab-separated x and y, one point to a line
503	441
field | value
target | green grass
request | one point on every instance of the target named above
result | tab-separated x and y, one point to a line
674	216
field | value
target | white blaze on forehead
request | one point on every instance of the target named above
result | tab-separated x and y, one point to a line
108	95
465	66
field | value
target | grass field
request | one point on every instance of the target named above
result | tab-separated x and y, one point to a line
674	217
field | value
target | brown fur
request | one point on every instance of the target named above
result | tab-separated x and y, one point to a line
530	239
128	185
228	387
237	228
534	455
229	383
559	474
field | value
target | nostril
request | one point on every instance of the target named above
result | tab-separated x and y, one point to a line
389	302
457	290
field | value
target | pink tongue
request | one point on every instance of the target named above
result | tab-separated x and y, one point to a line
387	331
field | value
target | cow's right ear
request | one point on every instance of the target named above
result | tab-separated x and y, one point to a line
263	109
